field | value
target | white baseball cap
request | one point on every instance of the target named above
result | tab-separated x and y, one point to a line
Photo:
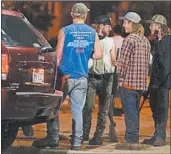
132	16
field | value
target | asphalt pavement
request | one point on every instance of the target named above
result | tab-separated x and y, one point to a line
23	145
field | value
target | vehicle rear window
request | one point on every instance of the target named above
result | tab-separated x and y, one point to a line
17	31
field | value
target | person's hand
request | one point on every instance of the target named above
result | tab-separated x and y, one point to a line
120	82
64	79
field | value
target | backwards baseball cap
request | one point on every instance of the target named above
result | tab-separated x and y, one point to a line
79	9
159	19
131	16
103	19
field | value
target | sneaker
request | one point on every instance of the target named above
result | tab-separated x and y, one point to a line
159	142
95	141
128	146
149	141
75	148
45	142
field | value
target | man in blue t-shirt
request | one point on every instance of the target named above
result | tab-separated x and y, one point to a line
74	49
77	43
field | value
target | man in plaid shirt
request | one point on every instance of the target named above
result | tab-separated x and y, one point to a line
132	68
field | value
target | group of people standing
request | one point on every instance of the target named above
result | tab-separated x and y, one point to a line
87	57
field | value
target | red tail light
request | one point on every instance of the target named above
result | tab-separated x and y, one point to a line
4	66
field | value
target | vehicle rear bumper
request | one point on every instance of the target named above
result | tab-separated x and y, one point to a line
28	105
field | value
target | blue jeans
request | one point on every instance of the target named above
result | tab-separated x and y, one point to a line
130	102
77	90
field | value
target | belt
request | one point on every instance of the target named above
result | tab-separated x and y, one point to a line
99	76
131	88
96	76
128	87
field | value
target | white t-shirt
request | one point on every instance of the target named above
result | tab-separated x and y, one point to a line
118	42
103	65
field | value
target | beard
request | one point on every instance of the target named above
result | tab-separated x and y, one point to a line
105	33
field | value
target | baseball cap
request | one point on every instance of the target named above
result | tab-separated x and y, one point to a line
132	16
79	9
160	19
103	19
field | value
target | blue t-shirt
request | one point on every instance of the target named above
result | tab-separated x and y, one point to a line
78	48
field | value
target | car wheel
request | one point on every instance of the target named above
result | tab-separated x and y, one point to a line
8	135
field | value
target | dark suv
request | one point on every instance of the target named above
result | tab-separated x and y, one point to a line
28	76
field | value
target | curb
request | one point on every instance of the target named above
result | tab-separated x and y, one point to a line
111	150
108	149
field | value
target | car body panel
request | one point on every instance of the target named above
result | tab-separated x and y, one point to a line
28	92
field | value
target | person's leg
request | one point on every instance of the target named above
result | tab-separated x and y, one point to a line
113	110
105	91
159	106
161	116
153	106
130	101
88	108
104	103
77	89
51	140
53	128
112	131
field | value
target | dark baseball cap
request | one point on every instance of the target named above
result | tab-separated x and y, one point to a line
103	19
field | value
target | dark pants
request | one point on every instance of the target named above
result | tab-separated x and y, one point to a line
130	102
159	102
101	86
53	127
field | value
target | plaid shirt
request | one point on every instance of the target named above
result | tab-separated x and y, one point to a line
133	64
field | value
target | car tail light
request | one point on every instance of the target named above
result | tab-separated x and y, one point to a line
4	66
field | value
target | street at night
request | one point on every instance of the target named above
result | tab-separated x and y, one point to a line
22	145
91	77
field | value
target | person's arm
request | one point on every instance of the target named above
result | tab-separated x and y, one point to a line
97	49
113	53
59	47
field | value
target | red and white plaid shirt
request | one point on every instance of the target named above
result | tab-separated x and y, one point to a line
133	64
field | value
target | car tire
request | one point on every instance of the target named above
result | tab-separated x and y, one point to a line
8	135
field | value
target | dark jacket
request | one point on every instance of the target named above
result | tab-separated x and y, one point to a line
161	67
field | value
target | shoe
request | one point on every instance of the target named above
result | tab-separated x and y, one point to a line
149	141
128	146
75	148
95	141
72	142
85	138
45	142
159	142
62	137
